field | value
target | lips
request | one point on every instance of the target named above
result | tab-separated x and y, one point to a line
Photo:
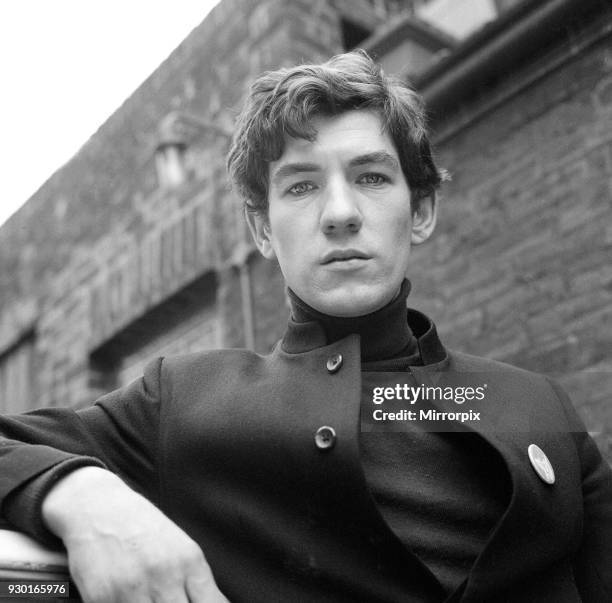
343	255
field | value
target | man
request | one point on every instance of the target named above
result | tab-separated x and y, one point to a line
272	473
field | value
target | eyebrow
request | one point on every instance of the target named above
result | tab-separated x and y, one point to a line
290	169
376	157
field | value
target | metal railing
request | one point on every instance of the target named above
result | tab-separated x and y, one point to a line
28	567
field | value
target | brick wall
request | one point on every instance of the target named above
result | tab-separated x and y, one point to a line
101	248
519	269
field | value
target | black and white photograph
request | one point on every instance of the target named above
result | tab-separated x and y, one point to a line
306	301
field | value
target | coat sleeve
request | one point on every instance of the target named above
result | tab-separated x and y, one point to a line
119	432
593	561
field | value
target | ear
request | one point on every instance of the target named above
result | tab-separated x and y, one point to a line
424	219
260	231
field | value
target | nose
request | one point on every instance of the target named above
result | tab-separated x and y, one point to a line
340	212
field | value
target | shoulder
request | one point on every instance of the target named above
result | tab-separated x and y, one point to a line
216	363
528	385
467	362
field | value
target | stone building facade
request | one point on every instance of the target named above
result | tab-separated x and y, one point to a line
114	261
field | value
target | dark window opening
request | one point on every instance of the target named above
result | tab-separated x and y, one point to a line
184	322
353	34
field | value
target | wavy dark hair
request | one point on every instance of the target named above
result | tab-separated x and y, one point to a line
283	103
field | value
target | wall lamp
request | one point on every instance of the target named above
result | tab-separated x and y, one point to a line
175	132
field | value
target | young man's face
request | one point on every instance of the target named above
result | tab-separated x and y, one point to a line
339	219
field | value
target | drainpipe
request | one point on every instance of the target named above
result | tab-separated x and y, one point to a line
240	259
514	38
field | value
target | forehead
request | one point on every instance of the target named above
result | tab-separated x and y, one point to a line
339	137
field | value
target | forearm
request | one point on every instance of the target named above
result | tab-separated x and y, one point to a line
120	546
68	503
22	507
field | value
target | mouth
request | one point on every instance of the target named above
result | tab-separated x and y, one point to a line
343	255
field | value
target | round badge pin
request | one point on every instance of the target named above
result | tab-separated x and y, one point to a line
541	464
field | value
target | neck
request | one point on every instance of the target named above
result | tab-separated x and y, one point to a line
384	333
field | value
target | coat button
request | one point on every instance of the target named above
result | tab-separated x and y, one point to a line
541	464
334	363
325	438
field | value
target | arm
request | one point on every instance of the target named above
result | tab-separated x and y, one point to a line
593	561
120	546
119	432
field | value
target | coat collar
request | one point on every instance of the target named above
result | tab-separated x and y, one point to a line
302	337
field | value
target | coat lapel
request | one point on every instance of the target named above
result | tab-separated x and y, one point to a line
540	523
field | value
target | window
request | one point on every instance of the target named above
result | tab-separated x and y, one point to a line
353	34
185	322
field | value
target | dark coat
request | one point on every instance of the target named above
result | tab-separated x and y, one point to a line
223	442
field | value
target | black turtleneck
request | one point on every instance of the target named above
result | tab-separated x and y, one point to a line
387	343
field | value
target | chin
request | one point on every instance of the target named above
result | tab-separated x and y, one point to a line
349	304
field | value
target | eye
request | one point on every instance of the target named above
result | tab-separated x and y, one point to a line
301	188
373	179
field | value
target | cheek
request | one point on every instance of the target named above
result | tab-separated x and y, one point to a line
277	232
289	236
398	244
288	248
398	229
281	242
